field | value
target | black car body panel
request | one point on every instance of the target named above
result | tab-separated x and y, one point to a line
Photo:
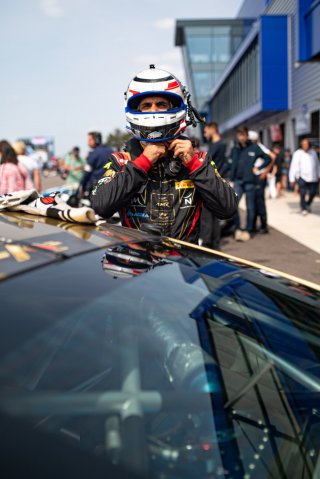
164	359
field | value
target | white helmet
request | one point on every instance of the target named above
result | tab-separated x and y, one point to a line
161	125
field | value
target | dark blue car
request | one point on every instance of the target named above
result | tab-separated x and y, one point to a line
124	354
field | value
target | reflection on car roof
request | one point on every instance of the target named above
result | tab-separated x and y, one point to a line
28	241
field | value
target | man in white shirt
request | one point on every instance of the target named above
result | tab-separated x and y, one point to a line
305	170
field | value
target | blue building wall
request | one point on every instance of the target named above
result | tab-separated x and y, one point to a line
289	69
287	95
274	62
309	29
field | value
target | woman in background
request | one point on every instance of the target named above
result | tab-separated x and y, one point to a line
13	175
29	162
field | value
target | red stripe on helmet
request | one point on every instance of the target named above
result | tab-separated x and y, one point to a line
172	85
134	92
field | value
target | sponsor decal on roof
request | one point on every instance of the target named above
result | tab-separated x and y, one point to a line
55	246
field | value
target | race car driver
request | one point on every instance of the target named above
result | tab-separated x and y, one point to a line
159	180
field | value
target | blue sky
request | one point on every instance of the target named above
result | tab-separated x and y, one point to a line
66	63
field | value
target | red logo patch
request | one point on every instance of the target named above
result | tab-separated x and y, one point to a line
47	200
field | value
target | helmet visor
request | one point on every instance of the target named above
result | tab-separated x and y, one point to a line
176	102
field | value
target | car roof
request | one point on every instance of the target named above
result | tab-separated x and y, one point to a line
31	241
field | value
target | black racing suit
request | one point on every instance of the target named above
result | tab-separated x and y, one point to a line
143	192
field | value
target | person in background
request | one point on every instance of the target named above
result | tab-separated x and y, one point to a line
285	169
42	157
244	175
210	230
277	150
209	225
217	148
305	170
29	162
94	167
13	175
260	202
73	167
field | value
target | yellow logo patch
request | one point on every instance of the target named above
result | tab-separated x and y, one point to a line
180	185
109	173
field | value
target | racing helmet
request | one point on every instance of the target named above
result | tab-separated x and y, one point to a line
161	125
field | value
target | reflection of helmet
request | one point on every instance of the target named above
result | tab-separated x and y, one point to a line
157	126
117	271
123	262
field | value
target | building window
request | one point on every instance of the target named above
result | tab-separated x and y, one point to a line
240	90
221	50
199	49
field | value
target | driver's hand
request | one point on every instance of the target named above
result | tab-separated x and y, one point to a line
182	149
155	151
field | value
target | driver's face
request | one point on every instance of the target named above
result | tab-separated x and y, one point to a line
154	103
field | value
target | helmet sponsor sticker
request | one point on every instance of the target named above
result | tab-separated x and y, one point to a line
154	135
184	184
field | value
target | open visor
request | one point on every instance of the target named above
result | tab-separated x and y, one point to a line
176	101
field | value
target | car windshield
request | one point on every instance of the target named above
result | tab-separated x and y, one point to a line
195	369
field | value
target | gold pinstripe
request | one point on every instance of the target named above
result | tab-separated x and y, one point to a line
291	277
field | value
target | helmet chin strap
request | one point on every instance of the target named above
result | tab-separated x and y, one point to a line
172	165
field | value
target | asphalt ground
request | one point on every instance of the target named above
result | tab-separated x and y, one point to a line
275	249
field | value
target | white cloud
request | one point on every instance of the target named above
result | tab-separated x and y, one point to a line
51	8
165	23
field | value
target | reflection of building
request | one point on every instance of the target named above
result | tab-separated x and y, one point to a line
272	81
207	47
